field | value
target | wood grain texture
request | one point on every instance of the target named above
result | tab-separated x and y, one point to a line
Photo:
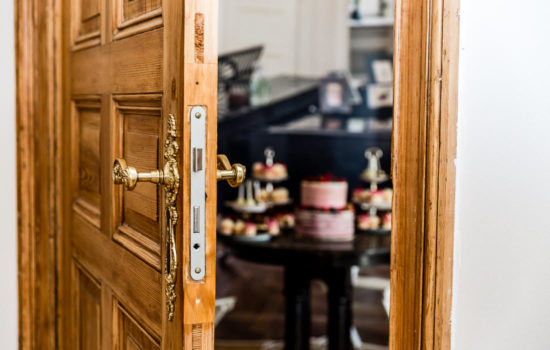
86	24
87	304
36	110
138	130
133	17
137	72
423	153
199	78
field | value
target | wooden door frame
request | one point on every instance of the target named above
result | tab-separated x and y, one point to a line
426	50
423	170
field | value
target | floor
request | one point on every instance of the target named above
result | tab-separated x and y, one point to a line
258	313
316	344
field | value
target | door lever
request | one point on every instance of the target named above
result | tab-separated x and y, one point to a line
234	174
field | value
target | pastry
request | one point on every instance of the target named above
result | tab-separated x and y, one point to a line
386	221
250	229
368	222
275	172
226	227
279	195
286	221
239	227
377	197
273	228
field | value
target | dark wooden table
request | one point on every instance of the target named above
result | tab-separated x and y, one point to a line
305	260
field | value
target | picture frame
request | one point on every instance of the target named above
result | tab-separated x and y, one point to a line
335	94
379	67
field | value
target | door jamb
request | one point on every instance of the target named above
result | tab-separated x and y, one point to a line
423	171
426	50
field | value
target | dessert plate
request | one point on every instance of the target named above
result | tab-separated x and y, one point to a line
247	209
261	237
369	205
265	179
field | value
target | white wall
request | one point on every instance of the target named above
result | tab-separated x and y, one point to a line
8	219
305	37
502	249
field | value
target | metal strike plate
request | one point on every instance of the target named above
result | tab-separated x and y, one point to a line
197	235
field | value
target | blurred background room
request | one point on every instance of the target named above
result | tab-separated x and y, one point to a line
305	103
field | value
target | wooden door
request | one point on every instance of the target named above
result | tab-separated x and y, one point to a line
129	66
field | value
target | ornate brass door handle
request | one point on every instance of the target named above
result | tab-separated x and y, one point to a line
170	178
234	174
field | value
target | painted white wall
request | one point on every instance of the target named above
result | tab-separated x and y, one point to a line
305	37
502	251
8	213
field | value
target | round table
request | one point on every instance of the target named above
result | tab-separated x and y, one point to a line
304	260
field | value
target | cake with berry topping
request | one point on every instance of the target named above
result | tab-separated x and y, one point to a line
324	213
324	192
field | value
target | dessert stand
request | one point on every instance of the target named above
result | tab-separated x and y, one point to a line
269	157
249	201
374	175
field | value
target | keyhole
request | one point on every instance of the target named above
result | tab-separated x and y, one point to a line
196	246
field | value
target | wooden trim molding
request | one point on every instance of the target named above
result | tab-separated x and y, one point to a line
36	108
423	171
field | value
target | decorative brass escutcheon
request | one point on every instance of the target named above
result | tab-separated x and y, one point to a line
234	174
168	177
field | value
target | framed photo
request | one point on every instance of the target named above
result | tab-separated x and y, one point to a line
379	67
379	96
335	94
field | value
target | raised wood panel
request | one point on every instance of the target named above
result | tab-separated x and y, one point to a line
125	66
87	310
136	16
86	23
138	139
130	335
89	9
86	142
134	283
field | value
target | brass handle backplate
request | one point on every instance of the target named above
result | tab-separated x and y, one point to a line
234	174
168	177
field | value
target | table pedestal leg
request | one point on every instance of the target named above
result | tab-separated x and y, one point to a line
297	313
340	314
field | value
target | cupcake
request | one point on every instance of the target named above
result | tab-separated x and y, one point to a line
377	197
250	229
279	195
226	227
367	222
387	194
286	221
386	221
239	227
273	228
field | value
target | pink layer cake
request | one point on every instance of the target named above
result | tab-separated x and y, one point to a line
324	194
325	214
327	226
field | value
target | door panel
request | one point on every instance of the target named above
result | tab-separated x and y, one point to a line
139	141
123	74
130	335
87	294
86	121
